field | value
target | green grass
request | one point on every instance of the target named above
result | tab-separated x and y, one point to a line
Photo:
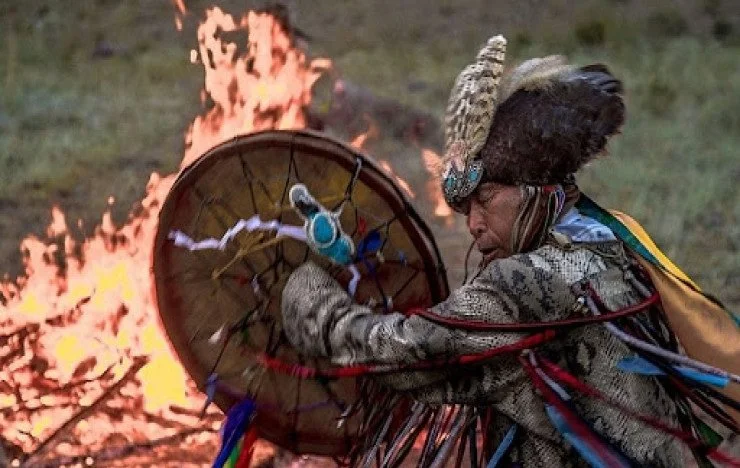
67	113
676	165
75	129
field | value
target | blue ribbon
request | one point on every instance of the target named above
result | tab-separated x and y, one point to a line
641	366
237	421
503	447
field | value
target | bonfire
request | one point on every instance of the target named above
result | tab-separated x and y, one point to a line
87	376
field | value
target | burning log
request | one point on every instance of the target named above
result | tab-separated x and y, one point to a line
44	446
82	309
65	336
120	452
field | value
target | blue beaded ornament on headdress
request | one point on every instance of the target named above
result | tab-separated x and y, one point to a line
460	179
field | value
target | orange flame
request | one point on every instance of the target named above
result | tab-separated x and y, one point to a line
433	165
180	5
82	312
267	87
399	180
372	132
180	13
93	314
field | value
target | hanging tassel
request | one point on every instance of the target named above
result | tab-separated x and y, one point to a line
473	444
234	455
503	448
431	436
451	437
247	449
590	451
639	365
238	419
241	455
211	385
710	439
404	429
593	449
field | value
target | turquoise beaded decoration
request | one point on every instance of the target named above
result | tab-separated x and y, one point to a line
324	233
458	183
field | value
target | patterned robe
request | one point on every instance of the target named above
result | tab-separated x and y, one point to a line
321	319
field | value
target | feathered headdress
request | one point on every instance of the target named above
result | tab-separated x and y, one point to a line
535	126
468	120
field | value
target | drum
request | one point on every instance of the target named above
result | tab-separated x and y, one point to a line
220	306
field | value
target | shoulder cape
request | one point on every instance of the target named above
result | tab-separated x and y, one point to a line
707	331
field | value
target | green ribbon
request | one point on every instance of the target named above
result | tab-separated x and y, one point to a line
591	209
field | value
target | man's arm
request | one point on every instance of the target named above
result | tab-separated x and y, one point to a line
320	318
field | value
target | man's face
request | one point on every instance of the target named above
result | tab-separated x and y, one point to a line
492	211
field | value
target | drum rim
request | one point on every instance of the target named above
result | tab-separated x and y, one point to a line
344	155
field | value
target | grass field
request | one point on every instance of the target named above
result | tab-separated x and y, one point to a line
96	95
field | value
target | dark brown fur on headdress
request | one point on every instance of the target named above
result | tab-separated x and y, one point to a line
545	130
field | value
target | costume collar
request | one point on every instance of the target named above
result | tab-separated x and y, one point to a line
580	228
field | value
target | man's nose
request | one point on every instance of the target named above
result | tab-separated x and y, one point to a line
476	222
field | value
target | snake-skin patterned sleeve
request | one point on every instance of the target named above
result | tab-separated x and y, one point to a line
320	318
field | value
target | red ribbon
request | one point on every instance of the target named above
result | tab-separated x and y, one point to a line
575	423
562	376
306	372
245	456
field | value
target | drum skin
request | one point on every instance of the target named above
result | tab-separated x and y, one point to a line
200	292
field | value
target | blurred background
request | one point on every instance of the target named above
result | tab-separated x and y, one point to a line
96	96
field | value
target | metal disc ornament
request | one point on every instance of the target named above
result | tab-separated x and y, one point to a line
234	226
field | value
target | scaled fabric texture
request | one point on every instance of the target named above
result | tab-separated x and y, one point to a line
322	320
